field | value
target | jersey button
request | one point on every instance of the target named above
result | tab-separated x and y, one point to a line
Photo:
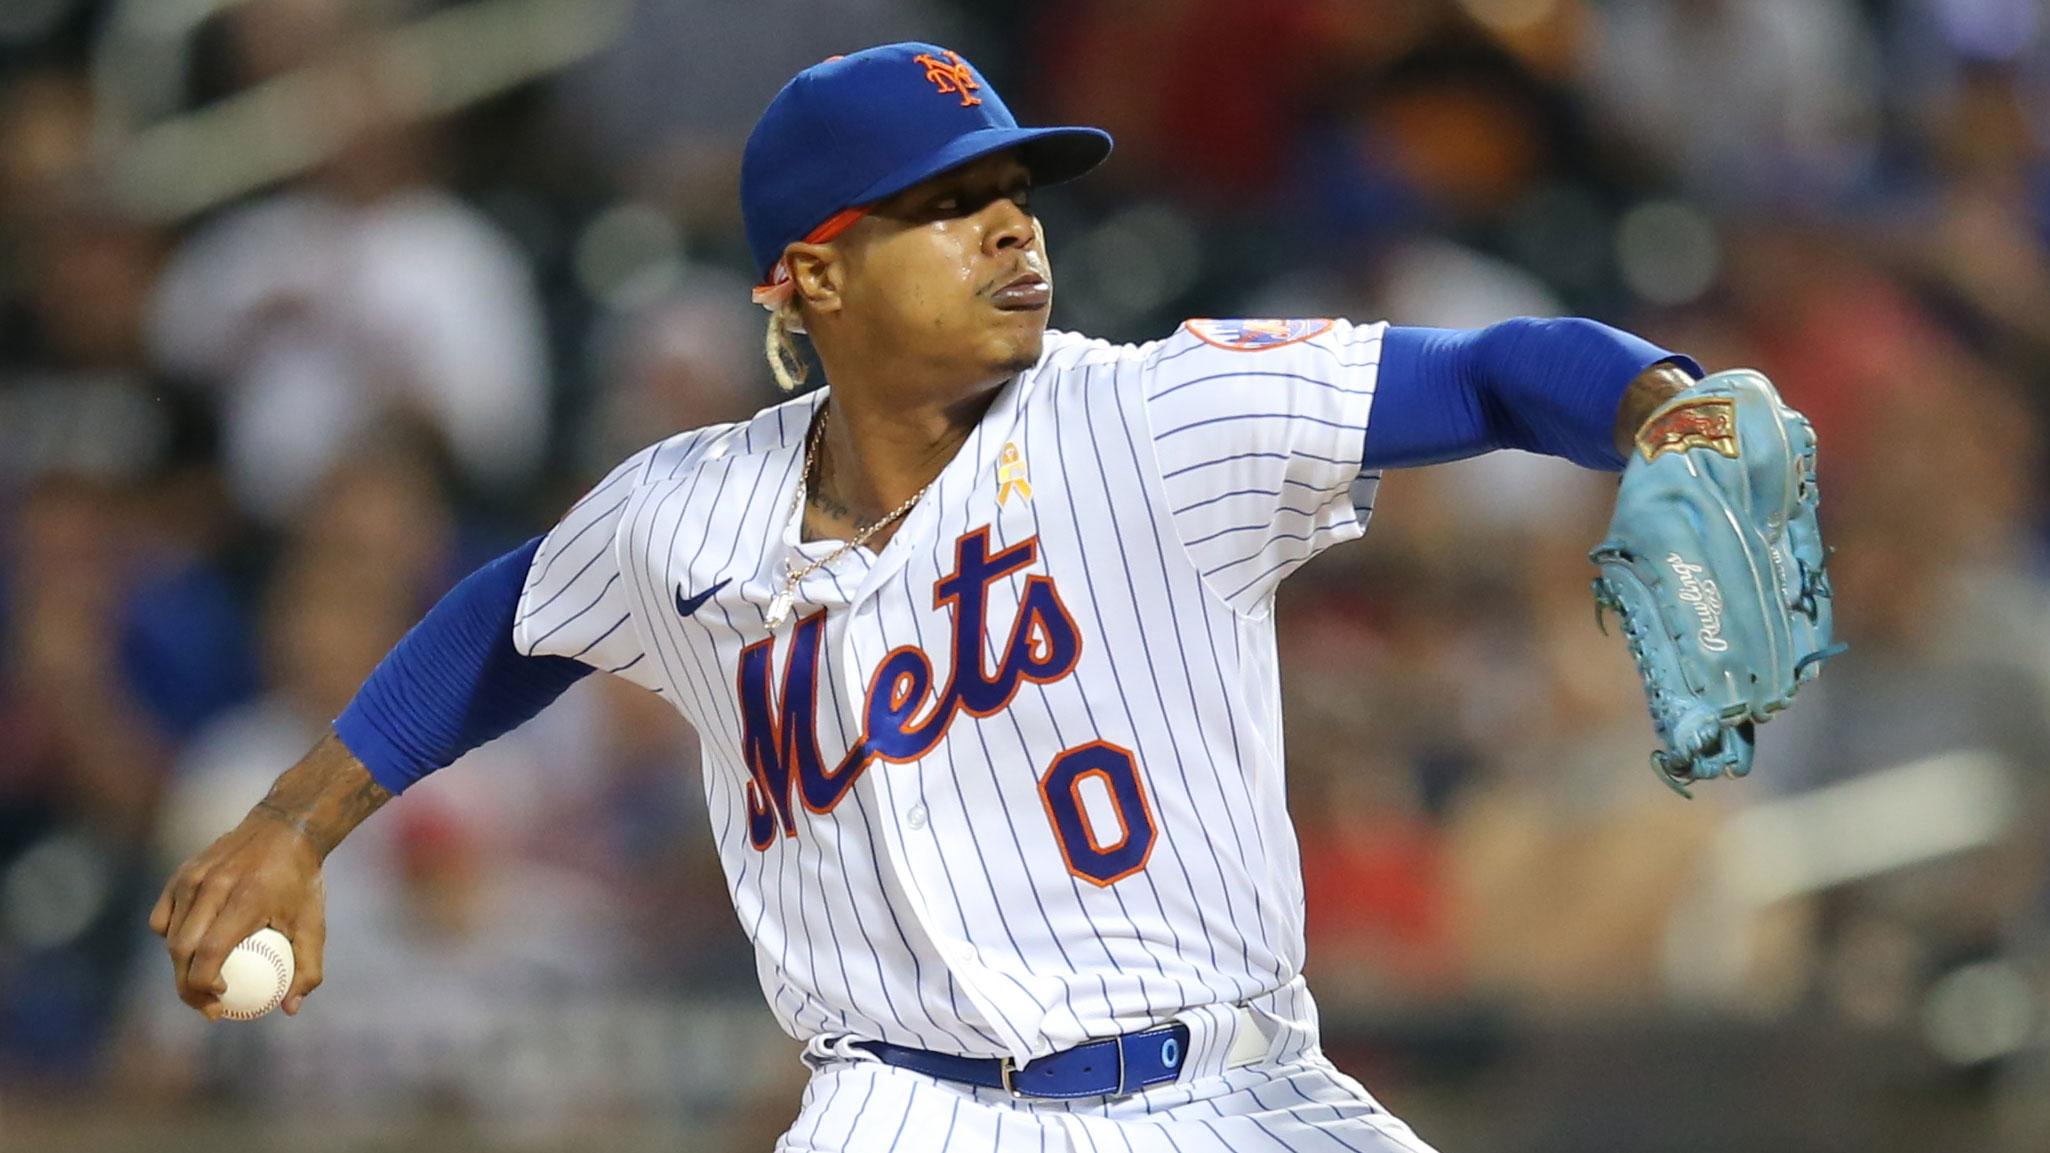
916	817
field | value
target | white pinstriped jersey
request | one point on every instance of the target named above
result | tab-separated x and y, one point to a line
1015	781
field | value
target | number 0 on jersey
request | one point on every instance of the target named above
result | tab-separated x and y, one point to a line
1099	855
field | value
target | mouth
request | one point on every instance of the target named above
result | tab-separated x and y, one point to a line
1027	292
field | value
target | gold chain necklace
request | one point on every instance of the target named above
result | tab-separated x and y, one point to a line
780	604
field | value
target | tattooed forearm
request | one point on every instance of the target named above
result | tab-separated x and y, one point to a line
324	796
1651	388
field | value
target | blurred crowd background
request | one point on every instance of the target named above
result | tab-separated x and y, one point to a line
308	306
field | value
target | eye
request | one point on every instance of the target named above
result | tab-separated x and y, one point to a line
947	205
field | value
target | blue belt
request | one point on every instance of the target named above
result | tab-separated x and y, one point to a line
1109	1068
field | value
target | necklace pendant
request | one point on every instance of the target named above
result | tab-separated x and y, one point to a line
779	609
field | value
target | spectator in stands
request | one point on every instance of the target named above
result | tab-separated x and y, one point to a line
363	291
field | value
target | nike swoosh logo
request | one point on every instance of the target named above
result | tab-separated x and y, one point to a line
688	605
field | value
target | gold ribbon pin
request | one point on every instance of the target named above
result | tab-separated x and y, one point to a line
1011	475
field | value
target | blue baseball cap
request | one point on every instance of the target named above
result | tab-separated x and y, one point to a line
855	129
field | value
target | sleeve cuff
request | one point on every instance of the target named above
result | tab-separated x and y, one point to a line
361	736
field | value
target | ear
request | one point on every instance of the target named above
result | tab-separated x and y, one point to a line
819	275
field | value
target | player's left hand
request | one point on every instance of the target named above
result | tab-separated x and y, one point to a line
1715	563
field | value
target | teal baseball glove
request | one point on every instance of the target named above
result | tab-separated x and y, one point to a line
1715	564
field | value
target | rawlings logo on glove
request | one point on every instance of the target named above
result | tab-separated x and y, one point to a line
1706	599
1715	564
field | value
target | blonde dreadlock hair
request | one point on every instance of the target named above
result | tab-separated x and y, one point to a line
786	360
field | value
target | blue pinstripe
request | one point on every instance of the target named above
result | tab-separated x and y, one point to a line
1227	496
604	636
548	562
1295	376
854	1124
1262	551
567	585
578	615
1277	567
1239	417
1201	464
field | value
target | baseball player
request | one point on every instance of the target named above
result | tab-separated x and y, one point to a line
978	640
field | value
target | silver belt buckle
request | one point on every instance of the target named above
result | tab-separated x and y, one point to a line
1005	1068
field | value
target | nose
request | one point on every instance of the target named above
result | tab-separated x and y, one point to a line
1010	227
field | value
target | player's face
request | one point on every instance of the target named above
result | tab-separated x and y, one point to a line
953	272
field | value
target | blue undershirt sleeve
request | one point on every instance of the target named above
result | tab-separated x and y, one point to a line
1546	386
455	681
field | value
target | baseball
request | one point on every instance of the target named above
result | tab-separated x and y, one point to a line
259	973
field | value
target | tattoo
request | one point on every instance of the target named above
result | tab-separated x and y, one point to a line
325	796
831	507
1648	390
815	490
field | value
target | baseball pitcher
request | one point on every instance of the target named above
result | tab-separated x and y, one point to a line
978	639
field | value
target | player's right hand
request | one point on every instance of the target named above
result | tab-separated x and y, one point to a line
263	873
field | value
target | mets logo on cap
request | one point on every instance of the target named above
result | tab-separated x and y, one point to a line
1255	335
951	76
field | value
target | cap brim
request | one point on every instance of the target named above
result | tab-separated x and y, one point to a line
1052	154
